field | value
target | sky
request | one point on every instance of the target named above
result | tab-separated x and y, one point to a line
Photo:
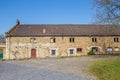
44	12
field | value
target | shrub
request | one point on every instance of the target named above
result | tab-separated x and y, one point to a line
91	53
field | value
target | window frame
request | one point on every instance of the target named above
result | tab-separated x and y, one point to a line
33	40
71	40
116	39
94	39
52	40
109	49
116	49
74	51
53	49
79	50
96	49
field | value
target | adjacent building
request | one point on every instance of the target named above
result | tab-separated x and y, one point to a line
57	40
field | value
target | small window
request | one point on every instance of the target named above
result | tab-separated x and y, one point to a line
53	52
72	40
79	50
33	40
117	49
116	39
71	51
52	40
109	49
94	49
94	39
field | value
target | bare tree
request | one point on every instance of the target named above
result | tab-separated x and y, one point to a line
107	11
2	38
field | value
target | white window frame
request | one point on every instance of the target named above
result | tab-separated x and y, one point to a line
55	50
109	49
116	49
52	40
73	52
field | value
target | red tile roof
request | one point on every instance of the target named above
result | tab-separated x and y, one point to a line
63	30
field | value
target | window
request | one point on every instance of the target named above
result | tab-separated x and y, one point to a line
53	52
72	40
116	39
117	49
71	51
79	50
109	49
33	40
52	40
94	49
94	39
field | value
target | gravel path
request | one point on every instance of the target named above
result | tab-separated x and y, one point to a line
49	69
16	72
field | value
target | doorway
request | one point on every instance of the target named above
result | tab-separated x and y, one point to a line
1	53
33	53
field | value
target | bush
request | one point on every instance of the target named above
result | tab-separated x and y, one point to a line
91	53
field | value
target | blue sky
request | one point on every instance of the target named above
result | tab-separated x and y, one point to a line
44	12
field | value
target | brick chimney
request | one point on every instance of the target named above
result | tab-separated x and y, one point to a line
17	22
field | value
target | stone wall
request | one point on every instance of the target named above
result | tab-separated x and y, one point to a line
20	47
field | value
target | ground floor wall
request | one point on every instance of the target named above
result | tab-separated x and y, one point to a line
22	47
42	51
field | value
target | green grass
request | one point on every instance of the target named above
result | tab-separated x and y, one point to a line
106	69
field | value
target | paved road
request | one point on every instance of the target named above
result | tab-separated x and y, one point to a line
17	72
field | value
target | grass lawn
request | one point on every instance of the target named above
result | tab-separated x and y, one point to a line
106	69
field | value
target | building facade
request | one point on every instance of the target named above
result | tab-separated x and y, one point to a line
40	41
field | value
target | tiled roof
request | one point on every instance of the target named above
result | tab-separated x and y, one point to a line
63	30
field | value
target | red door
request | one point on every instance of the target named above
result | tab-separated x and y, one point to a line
33	53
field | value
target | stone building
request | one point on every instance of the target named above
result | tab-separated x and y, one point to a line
2	47
40	41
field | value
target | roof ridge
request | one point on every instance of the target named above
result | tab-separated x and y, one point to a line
69	24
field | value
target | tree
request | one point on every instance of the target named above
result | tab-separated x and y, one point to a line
2	38
107	11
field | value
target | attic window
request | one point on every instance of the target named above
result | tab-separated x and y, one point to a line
33	40
52	40
116	39
94	39
71	40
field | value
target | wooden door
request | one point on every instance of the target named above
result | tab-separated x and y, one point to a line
33	53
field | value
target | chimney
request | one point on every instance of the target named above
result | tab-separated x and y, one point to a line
44	30
17	22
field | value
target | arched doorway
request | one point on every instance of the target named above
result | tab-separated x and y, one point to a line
33	53
1	53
